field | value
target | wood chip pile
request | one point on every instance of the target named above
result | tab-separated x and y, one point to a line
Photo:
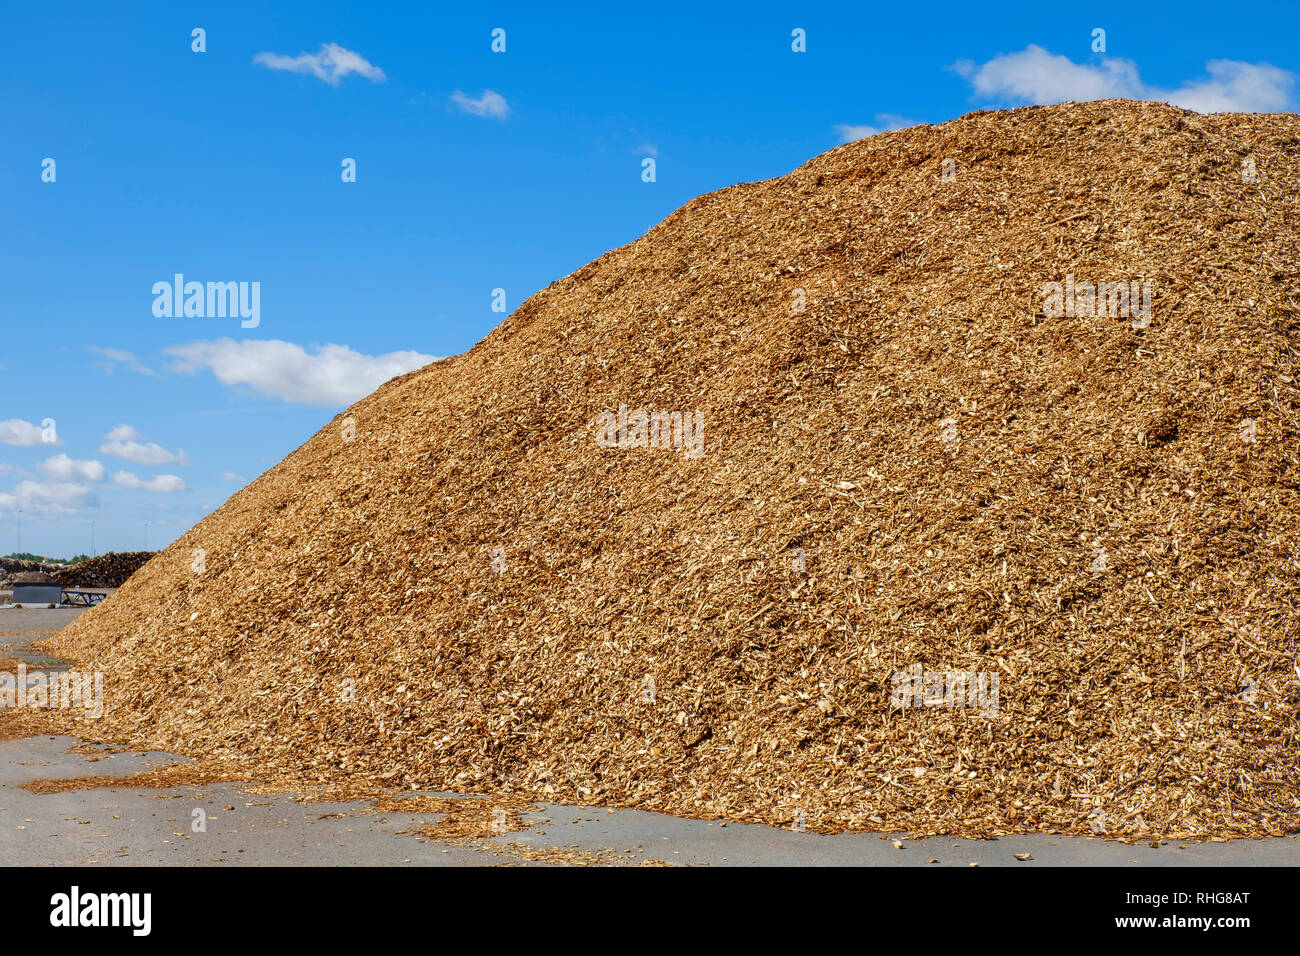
454	587
106	571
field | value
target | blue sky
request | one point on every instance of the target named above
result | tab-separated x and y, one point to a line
475	171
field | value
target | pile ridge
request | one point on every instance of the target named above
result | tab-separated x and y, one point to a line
899	460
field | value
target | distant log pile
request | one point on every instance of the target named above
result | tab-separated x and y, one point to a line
106	571
11	567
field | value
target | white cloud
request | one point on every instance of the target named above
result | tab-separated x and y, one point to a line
124	442
1035	76
114	357
15	431
64	468
231	476
332	375
48	499
888	122
646	149
1235	87
158	483
123	433
143	453
330	64
491	104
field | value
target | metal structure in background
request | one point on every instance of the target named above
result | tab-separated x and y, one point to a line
38	589
83	598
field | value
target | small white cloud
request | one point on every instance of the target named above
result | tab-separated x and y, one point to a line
491	104
332	375
143	453
158	483
1035	76
849	133
114	357
886	122
646	149
124	442
123	433
48	499
231	476
330	64
67	469
15	431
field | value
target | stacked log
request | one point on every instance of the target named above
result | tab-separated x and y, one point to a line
106	571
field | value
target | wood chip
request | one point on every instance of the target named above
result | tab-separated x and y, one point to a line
454	587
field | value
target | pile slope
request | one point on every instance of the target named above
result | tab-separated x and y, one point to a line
455	586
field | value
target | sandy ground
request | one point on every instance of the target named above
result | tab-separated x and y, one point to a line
148	827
